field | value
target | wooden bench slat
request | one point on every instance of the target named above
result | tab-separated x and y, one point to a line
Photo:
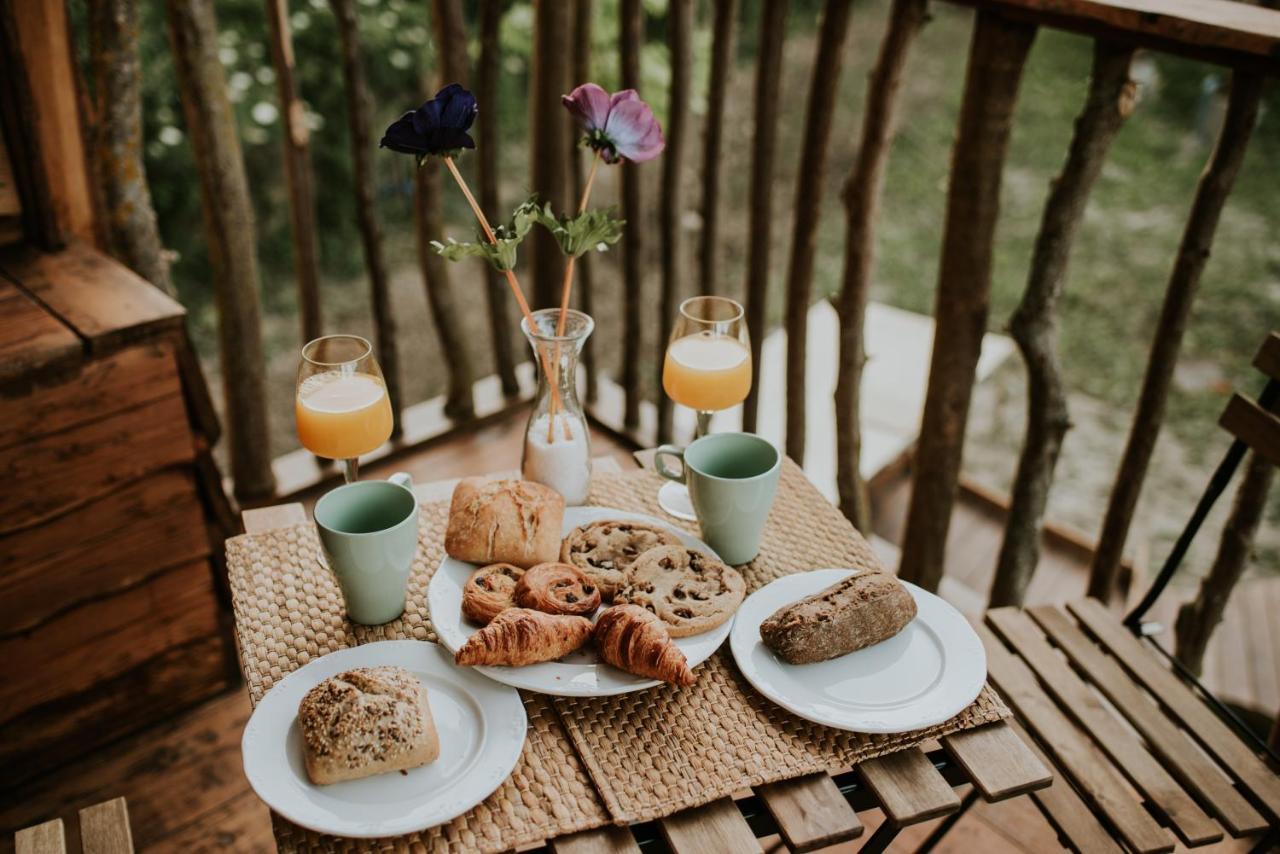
1173	747
717	826
1253	425
909	788
47	838
262	519
998	761
1268	358
1071	751
104	828
810	812
609	839
1070	816
1147	775
1194	715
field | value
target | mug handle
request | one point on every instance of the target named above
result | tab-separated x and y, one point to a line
402	478
660	467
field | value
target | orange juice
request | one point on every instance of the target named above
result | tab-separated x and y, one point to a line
342	415
707	372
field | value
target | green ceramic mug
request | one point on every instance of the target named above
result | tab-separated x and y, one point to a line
732	479
369	531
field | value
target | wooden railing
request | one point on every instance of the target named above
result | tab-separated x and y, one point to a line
1244	38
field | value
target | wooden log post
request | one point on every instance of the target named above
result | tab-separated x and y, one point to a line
680	51
773	24
358	122
298	174
1198	618
132	234
451	48
1193	252
230	233
862	192
582	74
823	87
996	57
1035	322
487	75
722	60
549	132
630	41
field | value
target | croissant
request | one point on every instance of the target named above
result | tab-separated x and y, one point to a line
489	591
557	588
520	636
635	640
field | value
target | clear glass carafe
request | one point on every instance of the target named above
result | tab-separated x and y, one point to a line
557	444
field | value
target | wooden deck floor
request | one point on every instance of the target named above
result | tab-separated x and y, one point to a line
184	781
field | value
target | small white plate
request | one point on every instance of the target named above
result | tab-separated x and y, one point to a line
581	673
481	727
921	676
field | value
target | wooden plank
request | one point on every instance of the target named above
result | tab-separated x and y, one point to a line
242	825
1064	809
1128	754
609	839
1173	747
47	838
10	201
105	302
908	787
1196	717
810	812
717	826
1253	425
104	828
262	519
31	339
1268	358
998	761
100	548
1071	751
55	473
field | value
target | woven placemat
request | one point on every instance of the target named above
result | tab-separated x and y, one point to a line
654	752
289	610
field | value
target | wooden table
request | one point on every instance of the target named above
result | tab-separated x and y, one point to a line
812	812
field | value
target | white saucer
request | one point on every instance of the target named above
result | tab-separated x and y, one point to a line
480	723
581	673
921	676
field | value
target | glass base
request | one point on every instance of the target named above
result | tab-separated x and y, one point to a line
674	499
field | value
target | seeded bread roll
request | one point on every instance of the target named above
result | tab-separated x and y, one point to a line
364	722
504	521
855	612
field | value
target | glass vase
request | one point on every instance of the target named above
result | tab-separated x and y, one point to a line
557	444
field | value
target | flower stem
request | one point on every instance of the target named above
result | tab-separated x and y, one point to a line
513	282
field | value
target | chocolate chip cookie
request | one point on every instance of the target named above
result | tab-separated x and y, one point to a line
690	591
606	550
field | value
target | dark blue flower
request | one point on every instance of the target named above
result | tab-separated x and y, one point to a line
437	127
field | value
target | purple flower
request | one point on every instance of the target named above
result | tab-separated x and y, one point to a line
618	126
437	127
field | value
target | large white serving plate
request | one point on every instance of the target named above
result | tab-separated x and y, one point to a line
481	726
581	673
921	676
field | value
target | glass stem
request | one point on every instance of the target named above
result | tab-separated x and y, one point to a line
351	469
704	424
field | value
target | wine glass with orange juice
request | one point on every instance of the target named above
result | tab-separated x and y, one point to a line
342	408
708	369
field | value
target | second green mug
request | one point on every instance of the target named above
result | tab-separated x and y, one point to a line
732	480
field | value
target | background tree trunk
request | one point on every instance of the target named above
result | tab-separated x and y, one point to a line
862	192
130	218
1035	323
549	137
630	40
996	57
357	92
824	86
1193	253
722	60
582	74
229	229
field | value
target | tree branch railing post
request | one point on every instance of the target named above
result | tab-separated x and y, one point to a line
586	285
630	41
549	133
996	58
722	61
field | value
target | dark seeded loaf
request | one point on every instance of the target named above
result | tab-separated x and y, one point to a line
855	612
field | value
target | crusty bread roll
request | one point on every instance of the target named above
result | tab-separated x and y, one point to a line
504	521
364	722
855	612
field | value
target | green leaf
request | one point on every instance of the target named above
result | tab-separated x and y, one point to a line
591	229
508	236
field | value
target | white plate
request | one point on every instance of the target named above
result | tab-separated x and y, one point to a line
921	676
581	673
481	727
